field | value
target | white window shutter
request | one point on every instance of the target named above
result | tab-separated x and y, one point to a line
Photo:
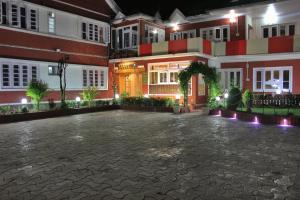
107	34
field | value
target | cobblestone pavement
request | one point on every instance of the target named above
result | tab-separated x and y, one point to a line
136	156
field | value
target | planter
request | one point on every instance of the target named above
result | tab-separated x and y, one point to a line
146	108
257	117
50	114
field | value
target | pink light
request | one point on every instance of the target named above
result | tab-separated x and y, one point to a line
285	123
256	121
234	116
219	113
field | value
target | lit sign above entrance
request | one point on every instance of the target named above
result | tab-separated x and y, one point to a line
129	67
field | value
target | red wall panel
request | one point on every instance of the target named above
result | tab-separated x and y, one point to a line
178	46
281	44
207	47
145	49
236	47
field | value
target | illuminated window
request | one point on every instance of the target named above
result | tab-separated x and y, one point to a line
51	22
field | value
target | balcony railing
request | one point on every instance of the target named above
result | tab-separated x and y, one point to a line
285	44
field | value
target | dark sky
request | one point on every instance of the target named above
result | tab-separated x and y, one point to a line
166	7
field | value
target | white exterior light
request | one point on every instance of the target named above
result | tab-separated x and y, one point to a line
77	99
278	91
24	101
146	96
155	31
175	27
271	16
177	96
117	96
226	95
232	16
218	98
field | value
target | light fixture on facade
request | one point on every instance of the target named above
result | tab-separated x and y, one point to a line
155	31
232	16
58	50
271	16
226	95
24	101
117	96
77	99
175	27
146	95
177	96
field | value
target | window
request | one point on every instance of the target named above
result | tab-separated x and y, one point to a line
23	17
183	35
84	31
25	75
173	77
53	70
231	78
33	19
51	22
153	77
93	32
18	75
127	37
278	30
271	79
84	78
94	77
14	15
3	13
153	34
134	36
163	77
217	34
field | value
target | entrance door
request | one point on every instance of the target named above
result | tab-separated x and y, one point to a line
131	84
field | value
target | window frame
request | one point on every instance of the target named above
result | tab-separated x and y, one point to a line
51	30
11	74
263	70
225	77
211	33
97	77
278	30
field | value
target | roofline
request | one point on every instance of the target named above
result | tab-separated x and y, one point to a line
113	5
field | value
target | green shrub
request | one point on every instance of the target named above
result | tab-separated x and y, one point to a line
4	110
234	99
71	104
247	100
89	94
37	90
141	101
51	104
124	94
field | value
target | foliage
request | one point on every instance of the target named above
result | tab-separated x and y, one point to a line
37	90
70	104
214	91
210	78
89	94
124	94
24	109
153	102
4	110
51	104
247	100
234	99
102	103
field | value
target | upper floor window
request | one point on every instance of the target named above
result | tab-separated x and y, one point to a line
93	32
216	34
127	37
18	15
51	22
18	75
153	34
183	35
278	30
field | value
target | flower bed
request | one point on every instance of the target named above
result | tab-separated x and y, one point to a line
257	117
54	113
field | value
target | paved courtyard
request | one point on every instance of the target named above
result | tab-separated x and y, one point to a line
147	156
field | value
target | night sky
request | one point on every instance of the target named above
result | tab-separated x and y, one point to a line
166	7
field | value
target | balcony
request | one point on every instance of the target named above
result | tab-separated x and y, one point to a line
285	44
